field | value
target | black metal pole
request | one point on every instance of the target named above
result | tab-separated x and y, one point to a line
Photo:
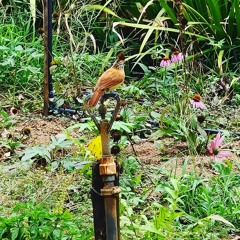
46	64
98	203
49	46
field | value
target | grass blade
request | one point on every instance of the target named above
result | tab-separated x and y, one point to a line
101	8
216	18
169	11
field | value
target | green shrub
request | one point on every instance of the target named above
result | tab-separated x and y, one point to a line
29	221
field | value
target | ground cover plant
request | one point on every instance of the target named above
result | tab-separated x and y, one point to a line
176	136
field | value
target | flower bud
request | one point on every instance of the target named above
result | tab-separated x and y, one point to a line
116	135
119	117
201	118
115	149
26	131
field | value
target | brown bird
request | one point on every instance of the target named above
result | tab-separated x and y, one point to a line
109	80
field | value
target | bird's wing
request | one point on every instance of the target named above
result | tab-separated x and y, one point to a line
110	78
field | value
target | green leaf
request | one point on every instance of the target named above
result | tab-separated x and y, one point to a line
237	17
216	17
144	68
221	219
9	61
14	233
119	125
156	135
155	115
54	165
169	10
174	183
29	153
198	16
202	132
231	21
153	229
143	26
82	126
33	10
150	31
19	48
3	48
220	62
171	192
44	153
36	151
100	8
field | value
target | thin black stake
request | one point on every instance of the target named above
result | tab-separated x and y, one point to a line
49	45
48	90
47	22
46	79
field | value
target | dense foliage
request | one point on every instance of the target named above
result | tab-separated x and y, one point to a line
184	194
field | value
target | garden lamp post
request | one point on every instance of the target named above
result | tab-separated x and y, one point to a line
105	186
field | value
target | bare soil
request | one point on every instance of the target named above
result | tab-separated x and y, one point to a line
171	156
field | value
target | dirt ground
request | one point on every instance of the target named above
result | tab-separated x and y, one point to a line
171	156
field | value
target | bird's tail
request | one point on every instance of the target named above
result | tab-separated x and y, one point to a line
95	98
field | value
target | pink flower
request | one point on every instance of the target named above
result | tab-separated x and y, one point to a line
196	102
165	62
215	148
177	56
